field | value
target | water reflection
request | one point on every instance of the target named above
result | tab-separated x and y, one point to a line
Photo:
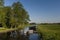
34	36
20	35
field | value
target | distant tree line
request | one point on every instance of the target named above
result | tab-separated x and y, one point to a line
33	23
49	23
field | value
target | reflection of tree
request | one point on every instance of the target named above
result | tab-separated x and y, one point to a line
1	3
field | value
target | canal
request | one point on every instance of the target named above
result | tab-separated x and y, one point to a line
24	34
30	33
34	36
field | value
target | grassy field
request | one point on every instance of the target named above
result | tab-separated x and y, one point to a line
49	32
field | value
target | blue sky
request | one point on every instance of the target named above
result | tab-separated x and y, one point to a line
41	11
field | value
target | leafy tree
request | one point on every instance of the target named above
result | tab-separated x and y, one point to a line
2	13
20	14
8	12
2	16
13	16
1	3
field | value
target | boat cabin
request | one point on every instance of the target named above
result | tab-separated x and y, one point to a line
32	28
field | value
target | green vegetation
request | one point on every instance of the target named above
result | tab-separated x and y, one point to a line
13	16
49	32
16	17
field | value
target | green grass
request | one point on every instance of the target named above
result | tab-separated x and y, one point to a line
4	30
50	32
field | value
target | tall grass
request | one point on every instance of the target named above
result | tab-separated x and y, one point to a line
49	32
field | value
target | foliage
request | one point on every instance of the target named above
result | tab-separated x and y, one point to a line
19	13
14	15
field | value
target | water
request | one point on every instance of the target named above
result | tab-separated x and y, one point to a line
34	36
14	35
26	29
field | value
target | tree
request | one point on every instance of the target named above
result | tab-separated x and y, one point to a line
2	13
13	16
2	16
8	13
1	3
20	14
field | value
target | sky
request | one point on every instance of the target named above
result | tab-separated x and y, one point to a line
40	11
